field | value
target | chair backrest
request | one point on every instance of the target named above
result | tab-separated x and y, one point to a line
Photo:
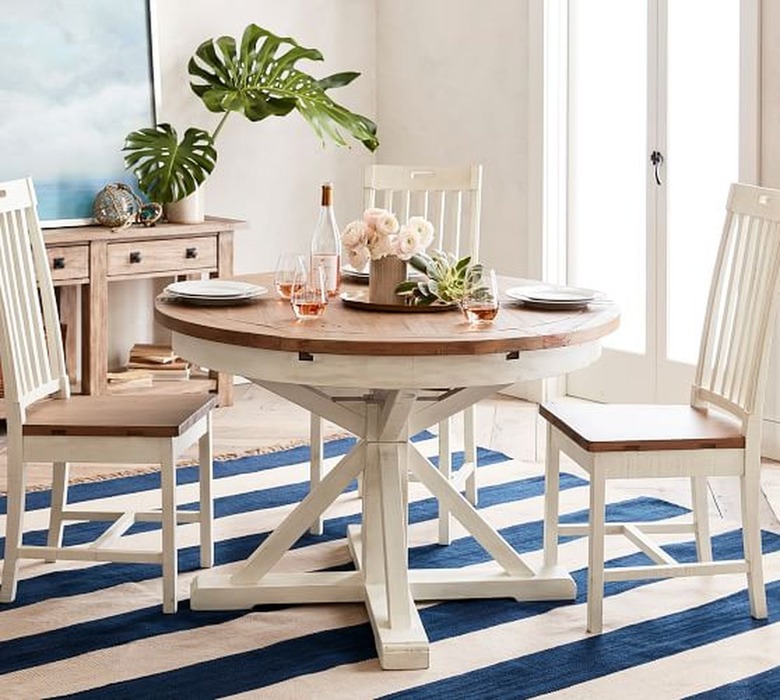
450	198
737	334
31	349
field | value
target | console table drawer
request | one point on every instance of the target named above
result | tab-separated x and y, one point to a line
68	262
174	255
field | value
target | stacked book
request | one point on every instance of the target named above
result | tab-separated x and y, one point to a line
159	361
130	378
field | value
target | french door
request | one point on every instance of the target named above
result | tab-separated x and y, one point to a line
655	134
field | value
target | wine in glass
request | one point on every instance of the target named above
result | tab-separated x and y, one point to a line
287	266
480	305
308	295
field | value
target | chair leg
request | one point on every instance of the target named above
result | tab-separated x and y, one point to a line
540	430
206	493
470	452
59	499
316	464
750	487
552	471
596	552
170	562
14	526
701	517
445	468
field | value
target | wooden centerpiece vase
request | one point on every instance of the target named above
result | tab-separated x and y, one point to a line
385	275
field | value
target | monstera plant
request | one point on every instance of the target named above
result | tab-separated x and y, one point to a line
258	79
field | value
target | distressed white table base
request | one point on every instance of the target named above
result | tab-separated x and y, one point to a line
383	421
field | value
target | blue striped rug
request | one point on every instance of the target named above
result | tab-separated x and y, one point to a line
96	631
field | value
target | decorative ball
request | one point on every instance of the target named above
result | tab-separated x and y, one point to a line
116	205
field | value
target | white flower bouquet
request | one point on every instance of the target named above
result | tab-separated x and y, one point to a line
378	234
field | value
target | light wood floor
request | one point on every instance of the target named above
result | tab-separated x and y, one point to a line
259	421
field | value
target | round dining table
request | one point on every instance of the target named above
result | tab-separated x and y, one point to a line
383	375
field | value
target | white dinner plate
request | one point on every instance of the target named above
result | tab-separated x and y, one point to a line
552	297
354	275
215	290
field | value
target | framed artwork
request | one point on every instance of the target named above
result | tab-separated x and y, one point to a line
77	78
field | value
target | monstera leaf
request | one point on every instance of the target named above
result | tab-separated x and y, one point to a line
260	79
167	169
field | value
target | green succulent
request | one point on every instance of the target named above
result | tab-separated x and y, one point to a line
447	279
259	79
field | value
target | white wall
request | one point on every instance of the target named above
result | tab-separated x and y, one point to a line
452	88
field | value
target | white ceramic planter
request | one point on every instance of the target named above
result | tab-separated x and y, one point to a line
190	210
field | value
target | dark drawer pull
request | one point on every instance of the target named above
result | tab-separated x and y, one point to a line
191	253
135	256
58	263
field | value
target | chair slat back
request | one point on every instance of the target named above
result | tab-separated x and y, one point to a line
450	198
741	310
30	343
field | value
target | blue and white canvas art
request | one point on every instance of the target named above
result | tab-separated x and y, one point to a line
76	79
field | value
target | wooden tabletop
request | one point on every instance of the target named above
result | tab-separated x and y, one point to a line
269	323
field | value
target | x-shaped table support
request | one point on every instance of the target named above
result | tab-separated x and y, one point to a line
382	420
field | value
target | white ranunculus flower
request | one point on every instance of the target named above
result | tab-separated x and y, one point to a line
355	234
423	229
387	225
382	220
372	215
384	245
409	242
358	257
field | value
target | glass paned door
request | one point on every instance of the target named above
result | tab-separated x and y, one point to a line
653	145
702	130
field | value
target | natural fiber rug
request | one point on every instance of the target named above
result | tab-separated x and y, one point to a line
97	630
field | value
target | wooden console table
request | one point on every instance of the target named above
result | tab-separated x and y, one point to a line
89	257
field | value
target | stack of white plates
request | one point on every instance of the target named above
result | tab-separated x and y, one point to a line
214	292
550	297
350	273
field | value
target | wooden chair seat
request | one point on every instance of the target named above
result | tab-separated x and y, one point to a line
631	427
118	416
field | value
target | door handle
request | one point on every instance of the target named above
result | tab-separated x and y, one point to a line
657	159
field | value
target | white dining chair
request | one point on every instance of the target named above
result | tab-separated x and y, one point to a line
718	434
46	424
451	199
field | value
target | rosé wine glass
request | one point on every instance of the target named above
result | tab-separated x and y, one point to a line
287	265
480	305
308	295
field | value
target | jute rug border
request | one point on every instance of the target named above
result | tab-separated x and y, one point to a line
150	469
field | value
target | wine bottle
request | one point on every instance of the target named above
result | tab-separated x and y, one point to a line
326	244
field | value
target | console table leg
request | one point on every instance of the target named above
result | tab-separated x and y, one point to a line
94	357
224	388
